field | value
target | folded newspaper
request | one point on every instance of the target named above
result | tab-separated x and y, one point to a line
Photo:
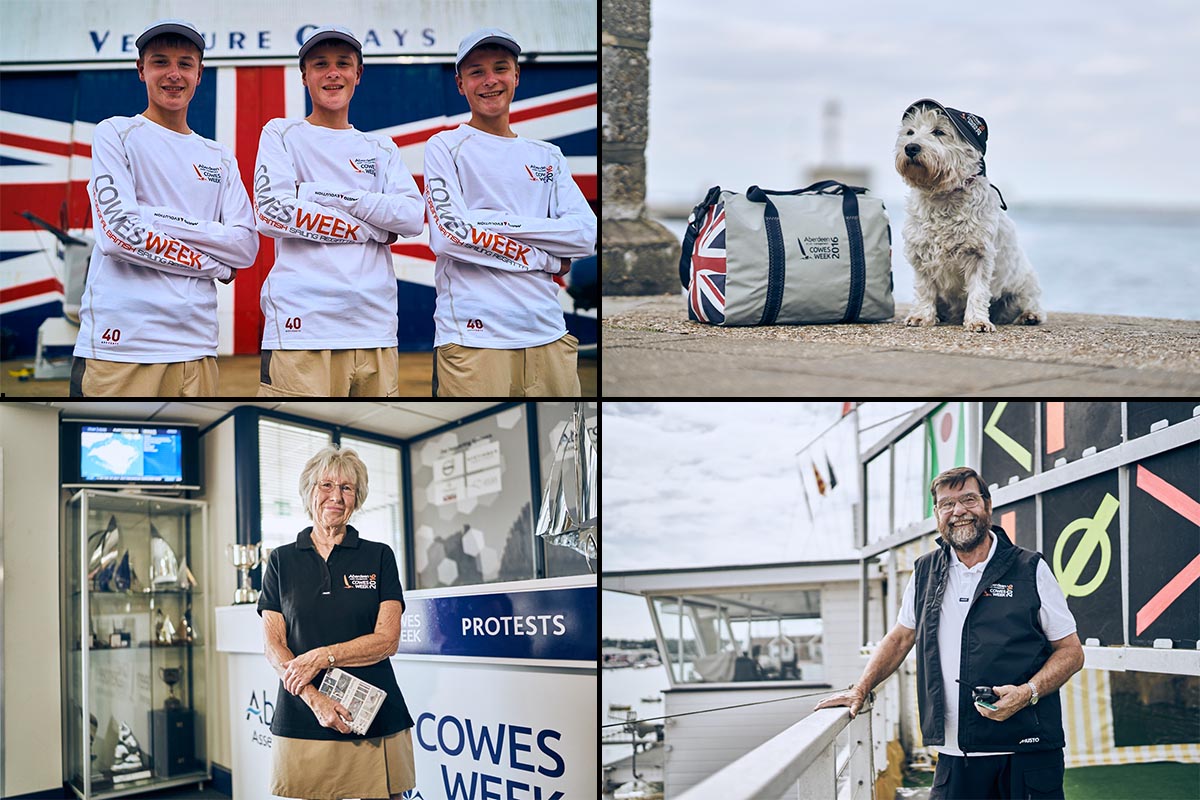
360	698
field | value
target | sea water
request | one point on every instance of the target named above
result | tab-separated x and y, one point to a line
627	686
1137	263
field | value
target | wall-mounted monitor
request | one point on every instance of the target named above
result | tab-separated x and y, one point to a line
123	455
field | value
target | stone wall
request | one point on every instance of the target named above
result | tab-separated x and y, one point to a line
638	256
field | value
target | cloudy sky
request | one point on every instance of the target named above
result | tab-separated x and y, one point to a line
1088	101
719	484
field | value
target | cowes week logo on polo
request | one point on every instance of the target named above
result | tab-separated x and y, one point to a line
359	581
207	173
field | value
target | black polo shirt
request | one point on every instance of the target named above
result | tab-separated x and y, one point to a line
329	602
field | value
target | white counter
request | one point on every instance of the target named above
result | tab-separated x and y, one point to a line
500	679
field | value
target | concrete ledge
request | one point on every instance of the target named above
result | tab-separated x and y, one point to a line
651	349
638	255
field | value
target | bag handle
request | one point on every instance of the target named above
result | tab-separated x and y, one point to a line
758	195
695	221
776	258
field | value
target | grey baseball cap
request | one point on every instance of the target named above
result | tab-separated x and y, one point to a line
327	32
177	26
485	36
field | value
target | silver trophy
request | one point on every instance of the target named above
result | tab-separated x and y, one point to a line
164	630
572	522
245	557
127	755
164	566
187	631
103	563
186	579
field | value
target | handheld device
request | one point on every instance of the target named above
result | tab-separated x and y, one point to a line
984	696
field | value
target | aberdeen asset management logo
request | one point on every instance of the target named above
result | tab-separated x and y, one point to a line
207	173
366	165
544	174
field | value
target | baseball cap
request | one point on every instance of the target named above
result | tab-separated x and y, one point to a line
327	32
972	127
178	26
485	36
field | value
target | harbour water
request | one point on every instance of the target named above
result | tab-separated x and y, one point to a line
1131	262
627	687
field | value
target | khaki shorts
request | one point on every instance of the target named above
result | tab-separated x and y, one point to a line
547	371
330	373
92	377
315	769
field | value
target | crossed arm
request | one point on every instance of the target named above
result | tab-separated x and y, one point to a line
297	671
163	238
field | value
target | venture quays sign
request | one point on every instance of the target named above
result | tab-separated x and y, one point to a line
35	33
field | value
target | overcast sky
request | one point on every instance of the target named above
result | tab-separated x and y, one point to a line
719	484
1087	101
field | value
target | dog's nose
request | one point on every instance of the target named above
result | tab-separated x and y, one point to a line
911	150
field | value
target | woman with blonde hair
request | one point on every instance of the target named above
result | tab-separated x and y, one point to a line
333	600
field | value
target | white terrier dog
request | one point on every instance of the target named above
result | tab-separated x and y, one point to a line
964	250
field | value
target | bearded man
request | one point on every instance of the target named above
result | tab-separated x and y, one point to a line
984	614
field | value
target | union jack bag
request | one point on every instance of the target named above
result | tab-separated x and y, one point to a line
821	254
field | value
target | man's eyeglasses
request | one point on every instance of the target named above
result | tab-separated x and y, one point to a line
328	488
968	500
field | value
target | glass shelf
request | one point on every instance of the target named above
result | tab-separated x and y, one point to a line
134	714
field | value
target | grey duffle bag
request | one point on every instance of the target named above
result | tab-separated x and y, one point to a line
820	254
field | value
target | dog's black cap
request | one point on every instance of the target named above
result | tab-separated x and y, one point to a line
971	126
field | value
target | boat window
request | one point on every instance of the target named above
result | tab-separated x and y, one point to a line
911	491
753	635
878	496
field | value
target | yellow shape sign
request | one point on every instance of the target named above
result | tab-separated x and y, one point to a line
1006	442
1095	535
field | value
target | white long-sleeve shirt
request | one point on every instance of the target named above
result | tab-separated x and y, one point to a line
170	216
330	199
502	213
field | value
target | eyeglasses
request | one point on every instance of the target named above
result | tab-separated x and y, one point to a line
969	500
327	487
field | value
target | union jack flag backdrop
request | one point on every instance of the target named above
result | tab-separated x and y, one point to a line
46	124
706	293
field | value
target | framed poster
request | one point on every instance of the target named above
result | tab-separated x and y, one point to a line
472	501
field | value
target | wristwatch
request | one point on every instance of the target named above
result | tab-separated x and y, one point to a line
1032	687
329	653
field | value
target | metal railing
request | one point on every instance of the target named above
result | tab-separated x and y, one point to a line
824	755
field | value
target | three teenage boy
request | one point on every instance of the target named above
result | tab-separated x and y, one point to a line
504	216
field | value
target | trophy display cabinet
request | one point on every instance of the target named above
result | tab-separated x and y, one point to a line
134	647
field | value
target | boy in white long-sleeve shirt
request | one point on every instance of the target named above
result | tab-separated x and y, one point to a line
333	198
504	217
170	216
